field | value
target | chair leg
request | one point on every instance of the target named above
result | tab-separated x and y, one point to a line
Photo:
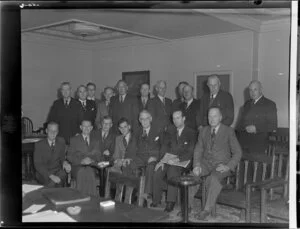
141	191
214	211
263	206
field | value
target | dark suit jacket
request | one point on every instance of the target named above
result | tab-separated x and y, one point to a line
149	146
224	101
123	153
107	144
46	162
78	150
192	114
183	147
102	110
226	148
68	118
176	104
263	115
89	111
127	109
161	113
140	104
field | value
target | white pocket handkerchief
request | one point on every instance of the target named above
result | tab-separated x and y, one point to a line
185	143
156	138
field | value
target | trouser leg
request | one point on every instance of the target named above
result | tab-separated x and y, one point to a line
172	191
158	177
149	178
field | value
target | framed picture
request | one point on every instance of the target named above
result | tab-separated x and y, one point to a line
201	82
135	79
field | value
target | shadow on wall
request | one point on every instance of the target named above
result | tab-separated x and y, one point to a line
246	98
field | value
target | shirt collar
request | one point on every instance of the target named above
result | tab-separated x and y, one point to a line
214	96
189	102
82	101
50	142
161	98
91	98
127	137
216	128
255	101
180	130
68	99
147	130
84	136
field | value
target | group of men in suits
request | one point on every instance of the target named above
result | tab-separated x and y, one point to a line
134	131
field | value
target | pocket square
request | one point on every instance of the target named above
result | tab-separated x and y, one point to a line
93	108
185	143
156	138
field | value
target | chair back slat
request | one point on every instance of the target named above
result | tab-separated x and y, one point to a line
128	194
246	171
280	158
255	171
119	192
27	125
263	176
237	176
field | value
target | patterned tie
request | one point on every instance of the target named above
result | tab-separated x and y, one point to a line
211	100
66	103
212	138
104	136
86	141
125	142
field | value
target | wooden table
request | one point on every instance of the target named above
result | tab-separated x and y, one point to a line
27	153
92	212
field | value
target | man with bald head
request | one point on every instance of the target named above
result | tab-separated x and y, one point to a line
190	108
124	105
219	98
160	107
258	120
216	154
66	112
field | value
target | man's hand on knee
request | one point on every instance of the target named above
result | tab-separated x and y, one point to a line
197	171
222	168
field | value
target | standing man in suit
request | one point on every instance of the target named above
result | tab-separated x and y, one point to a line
124	105
258	120
176	103
88	107
84	151
160	107
190	108
219	98
125	150
148	148
91	91
216	154
66	112
180	141
143	100
103	106
49	159
106	138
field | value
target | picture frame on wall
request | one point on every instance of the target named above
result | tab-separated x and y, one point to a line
200	81
135	79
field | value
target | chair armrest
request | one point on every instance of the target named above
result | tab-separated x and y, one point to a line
267	184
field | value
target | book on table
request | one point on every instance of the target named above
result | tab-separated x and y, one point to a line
169	156
61	196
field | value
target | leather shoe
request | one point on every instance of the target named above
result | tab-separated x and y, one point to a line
154	205
203	215
180	212
169	207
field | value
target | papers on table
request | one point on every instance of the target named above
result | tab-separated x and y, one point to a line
31	140
34	208
48	216
29	188
169	156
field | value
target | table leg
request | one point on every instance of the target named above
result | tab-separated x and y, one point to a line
184	203
102	172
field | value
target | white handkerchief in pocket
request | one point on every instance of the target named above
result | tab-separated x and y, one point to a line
156	138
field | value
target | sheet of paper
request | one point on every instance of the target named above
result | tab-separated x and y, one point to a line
34	208
167	157
29	187
31	140
48	216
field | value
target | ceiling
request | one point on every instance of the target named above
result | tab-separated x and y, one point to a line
163	24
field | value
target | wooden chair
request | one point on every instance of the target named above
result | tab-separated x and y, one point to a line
27	127
241	194
126	184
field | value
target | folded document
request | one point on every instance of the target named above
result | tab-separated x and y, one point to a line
48	216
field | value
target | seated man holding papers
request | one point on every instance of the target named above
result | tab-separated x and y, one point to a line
179	142
49	159
82	153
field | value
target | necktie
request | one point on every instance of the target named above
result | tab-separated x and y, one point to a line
125	142
164	101
52	147
213	137
177	135
86	141
104	136
66	103
121	99
211	100
185	105
144	102
144	136
83	105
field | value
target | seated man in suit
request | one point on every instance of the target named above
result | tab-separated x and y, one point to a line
106	139
216	154
49	159
125	150
190	108
180	99
258	120
83	152
180	141
88	107
103	106
160	107
217	98
91	91
148	147
143	100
